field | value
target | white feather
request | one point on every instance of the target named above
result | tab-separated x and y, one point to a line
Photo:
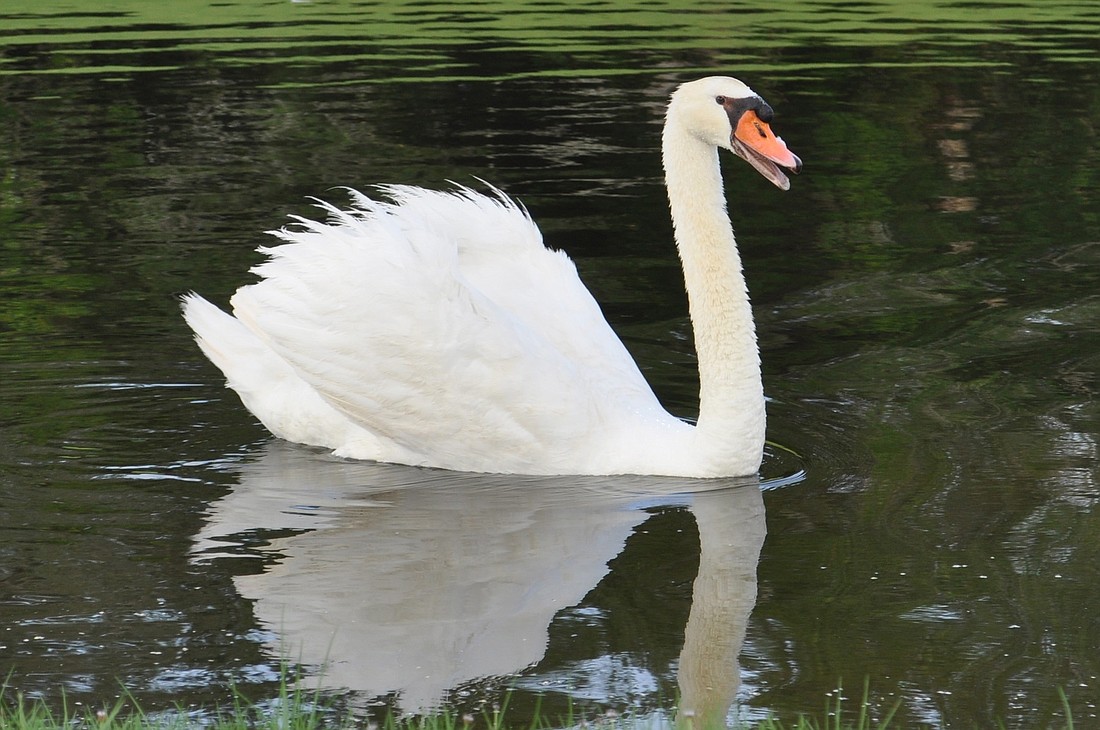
435	328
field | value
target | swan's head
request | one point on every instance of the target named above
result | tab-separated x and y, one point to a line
726	113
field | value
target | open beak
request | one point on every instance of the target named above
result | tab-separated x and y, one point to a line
754	141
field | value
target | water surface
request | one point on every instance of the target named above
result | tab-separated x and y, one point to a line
926	298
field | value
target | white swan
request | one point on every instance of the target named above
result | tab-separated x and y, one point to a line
436	329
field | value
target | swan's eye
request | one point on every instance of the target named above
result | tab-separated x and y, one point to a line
720	99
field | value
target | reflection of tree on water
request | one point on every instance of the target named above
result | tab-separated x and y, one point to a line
413	581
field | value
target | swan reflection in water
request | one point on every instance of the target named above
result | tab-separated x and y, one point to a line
414	581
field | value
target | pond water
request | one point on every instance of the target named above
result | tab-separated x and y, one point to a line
926	294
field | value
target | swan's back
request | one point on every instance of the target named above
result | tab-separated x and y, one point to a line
435	328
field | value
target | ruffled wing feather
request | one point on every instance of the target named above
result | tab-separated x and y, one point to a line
439	322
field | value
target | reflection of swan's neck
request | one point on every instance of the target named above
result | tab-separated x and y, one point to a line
731	534
731	398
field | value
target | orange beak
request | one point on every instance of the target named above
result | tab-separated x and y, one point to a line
754	141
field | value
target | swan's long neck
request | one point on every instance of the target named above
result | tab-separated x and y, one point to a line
731	399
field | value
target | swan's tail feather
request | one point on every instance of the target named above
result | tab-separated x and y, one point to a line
269	387
222	338
248	363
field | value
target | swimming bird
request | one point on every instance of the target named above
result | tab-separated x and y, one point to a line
435	328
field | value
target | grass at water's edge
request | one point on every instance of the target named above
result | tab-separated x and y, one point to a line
297	709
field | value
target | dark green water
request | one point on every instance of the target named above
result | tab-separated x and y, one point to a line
926	295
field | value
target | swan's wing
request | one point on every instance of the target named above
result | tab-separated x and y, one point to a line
501	254
441	323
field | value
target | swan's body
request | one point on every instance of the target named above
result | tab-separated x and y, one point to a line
437	329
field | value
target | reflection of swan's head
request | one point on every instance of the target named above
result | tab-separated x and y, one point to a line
723	112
